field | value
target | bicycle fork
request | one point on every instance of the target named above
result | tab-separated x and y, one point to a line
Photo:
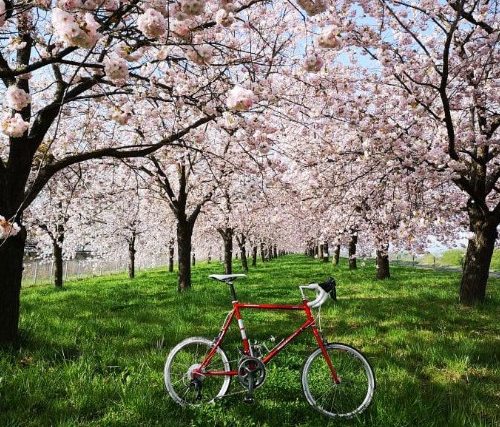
321	343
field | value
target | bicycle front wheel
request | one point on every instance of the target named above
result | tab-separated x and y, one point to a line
351	395
187	388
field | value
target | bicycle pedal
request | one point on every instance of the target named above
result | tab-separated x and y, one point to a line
249	400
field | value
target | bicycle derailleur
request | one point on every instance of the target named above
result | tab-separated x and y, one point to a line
251	375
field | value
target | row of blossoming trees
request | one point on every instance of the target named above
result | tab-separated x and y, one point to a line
289	121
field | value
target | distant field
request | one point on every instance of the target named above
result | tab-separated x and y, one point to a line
92	354
449	258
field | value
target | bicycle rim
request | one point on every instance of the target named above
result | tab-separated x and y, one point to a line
357	382
181	361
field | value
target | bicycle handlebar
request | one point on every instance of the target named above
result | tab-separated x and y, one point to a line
321	295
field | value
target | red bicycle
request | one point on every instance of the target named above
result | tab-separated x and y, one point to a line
337	380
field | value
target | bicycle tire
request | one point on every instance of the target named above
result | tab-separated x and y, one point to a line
183	379
352	395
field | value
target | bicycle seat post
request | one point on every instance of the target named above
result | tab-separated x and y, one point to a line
233	292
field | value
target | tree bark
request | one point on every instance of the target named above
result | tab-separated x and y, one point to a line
58	263
263	252
171	255
383	271
254	256
184	236
227	237
11	271
336	255
193	258
325	252
352	251
275	250
241	239
131	256
477	259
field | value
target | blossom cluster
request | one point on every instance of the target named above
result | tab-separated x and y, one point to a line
75	29
2	13
193	7
312	7
122	115
152	24
116	68
224	17
201	54
329	38
240	99
8	228
14	126
17	98
71	5
313	62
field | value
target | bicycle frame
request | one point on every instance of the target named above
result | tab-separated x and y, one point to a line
236	313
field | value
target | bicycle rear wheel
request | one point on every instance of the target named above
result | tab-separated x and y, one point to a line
357	382
188	389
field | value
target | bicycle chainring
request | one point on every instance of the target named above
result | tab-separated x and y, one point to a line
251	369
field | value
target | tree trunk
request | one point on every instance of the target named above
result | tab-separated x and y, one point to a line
227	237
477	260
193	258
270	252
383	271
131	256
254	256
58	263
352	251
243	251
275	250
171	255
184	235
11	272
263	252
336	255
325	252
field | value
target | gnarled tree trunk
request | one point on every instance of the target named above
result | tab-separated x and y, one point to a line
352	251
57	252
227	237
171	255
11	271
131	255
383	271
184	236
477	258
336	255
241	239
254	256
325	252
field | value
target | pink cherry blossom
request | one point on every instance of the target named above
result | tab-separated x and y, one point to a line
312	7
152	24
14	126
116	69
16	98
75	29
329	38
313	62
8	228
193	7
2	13
240	99
224	18
200	54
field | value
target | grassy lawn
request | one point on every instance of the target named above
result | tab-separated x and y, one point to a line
93	353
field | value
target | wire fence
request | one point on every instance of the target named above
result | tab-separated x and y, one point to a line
39	272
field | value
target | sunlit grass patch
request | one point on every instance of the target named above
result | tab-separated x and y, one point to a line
92	354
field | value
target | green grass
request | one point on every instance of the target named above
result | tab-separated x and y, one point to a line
454	258
92	354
